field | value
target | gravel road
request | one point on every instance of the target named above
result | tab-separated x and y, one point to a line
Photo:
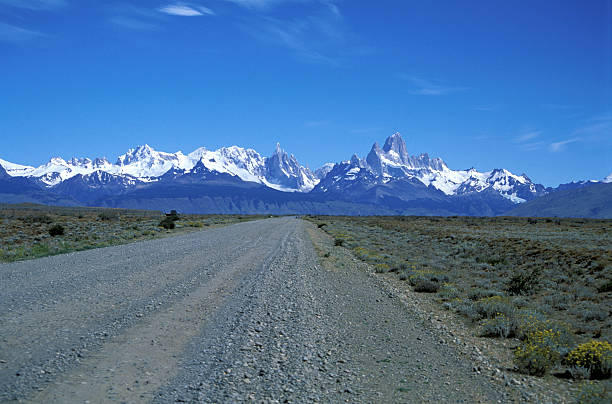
239	313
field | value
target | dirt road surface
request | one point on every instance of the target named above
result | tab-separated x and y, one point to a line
240	313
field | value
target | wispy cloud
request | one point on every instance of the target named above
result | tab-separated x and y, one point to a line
532	146
186	11
319	35
484	108
558	146
595	130
34	4
133	23
128	16
258	4
360	131
559	107
315	124
11	33
428	87
528	135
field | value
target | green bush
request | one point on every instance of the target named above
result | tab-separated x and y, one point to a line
426	281
448	292
605	287
491	307
381	268
173	216
426	286
500	326
523	283
167	224
108	215
56	230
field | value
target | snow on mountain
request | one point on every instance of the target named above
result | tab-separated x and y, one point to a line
322	171
15	169
280	171
285	173
392	162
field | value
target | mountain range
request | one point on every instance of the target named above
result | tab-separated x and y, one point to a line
238	180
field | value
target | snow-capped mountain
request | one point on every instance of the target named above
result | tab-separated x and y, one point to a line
239	180
281	171
321	172
392	162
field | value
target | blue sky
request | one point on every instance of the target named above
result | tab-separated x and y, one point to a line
523	85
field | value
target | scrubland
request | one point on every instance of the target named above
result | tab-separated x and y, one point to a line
541	287
32	231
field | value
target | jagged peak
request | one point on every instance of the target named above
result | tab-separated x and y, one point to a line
75	161
57	160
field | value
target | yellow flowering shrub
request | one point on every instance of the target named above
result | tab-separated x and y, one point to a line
538	353
596	356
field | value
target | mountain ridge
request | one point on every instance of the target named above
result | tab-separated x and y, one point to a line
387	181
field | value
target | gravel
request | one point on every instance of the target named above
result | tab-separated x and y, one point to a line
240	313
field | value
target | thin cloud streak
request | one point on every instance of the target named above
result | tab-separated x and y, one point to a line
11	33
34	4
365	130
527	136
315	124
319	37
430	88
258	4
558	146
484	108
186	11
559	107
134	23
532	146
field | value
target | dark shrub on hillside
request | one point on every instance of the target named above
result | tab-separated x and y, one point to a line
108	216
605	287
426	285
56	230
173	216
523	283
167	223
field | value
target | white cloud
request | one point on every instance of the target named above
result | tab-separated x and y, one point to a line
256	3
558	146
525	136
186	11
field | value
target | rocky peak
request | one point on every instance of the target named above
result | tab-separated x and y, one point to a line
396	147
374	159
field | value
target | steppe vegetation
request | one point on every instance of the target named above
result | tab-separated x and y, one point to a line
545	284
31	231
